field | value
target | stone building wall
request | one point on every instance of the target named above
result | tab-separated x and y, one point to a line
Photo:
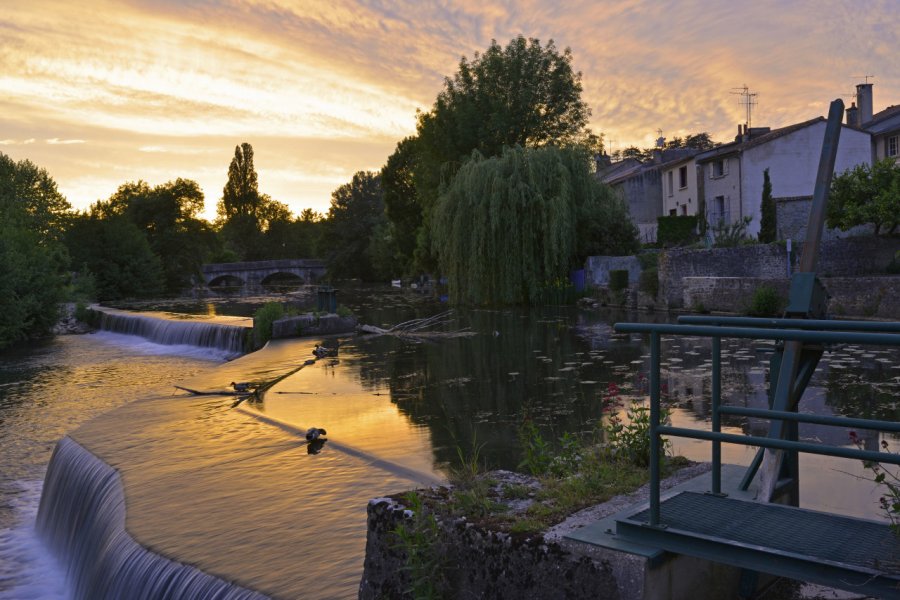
868	255
857	297
792	217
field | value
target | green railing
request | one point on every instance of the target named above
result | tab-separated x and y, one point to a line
803	330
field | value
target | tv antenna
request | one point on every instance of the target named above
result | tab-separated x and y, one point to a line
748	99
866	77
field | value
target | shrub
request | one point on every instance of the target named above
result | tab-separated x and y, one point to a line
731	235
766	302
676	230
618	279
649	282
262	322
631	440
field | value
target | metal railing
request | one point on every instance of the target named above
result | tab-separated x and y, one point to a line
803	330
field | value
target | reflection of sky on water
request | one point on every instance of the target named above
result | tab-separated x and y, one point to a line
430	401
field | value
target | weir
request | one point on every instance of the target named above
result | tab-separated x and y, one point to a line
226	336
82	519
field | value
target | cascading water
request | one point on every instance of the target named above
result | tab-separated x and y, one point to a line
82	520
221	336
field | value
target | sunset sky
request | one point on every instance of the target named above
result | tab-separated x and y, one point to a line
100	93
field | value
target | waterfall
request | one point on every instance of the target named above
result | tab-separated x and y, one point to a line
229	338
82	520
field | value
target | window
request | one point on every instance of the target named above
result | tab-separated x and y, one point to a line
673	212
682	177
719	168
671	188
893	147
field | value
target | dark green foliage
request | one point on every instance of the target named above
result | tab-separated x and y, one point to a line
767	223
167	215
524	94
116	252
648	282
356	212
700	141
31	285
604	226
243	213
766	302
679	230
33	261
893	267
731	235
401	203
262	322
618	279
866	195
505	228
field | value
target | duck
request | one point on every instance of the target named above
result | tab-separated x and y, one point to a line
242	387
322	351
313	434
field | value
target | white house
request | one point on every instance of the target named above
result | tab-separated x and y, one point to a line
732	174
679	186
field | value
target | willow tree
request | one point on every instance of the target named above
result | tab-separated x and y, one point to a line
505	227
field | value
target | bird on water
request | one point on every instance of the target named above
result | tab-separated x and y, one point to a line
313	433
242	387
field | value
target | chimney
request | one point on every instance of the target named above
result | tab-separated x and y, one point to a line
657	156
853	115
864	102
740	134
603	162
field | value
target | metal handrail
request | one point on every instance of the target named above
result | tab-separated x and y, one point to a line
813	331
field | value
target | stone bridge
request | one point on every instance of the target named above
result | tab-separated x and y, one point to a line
255	277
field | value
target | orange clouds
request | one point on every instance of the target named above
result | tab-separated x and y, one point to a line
157	90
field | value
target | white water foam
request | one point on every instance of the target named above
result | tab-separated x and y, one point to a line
142	345
27	569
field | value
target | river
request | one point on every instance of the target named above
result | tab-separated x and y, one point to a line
421	404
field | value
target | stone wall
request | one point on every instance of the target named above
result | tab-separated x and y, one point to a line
848	257
309	324
858	297
727	294
485	564
597	268
792	217
869	297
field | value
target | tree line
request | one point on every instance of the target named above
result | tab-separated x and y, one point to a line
495	191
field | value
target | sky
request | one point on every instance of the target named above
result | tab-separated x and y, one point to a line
100	93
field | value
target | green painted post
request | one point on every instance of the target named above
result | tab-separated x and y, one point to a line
654	425
716	417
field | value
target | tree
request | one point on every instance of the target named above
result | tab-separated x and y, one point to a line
767	222
33	261
866	195
241	193
116	252
243	213
506	227
168	216
401	202
356	211
525	94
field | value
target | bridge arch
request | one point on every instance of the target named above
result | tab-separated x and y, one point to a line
226	284
256	277
282	282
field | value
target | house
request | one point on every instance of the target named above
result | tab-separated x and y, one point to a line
640	185
731	176
679	182
883	126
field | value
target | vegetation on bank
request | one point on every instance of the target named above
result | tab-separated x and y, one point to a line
566	475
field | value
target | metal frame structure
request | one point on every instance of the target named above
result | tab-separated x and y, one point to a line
817	333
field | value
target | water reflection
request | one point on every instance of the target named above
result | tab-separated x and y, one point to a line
553	366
